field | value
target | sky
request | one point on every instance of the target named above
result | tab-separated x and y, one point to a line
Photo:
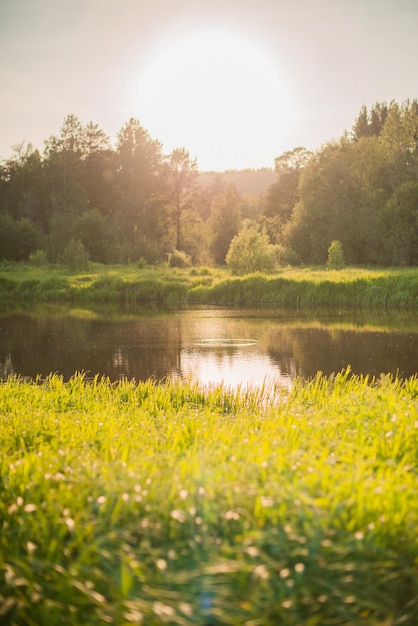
235	82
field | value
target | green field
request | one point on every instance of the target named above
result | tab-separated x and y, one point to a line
303	288
170	504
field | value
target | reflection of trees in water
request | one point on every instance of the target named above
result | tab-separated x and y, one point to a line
278	343
154	346
6	366
134	349
309	350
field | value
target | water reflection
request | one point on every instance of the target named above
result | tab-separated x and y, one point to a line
233	366
236	347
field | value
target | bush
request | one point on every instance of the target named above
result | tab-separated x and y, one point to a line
285	256
336	255
75	257
178	258
250	251
38	258
17	238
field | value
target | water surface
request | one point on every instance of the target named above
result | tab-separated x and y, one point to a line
212	345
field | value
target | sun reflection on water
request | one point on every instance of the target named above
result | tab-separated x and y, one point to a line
231	362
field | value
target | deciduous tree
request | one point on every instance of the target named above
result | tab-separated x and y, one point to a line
250	251
182	174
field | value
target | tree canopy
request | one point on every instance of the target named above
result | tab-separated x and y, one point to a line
131	202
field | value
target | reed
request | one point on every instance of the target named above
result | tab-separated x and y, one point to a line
169	503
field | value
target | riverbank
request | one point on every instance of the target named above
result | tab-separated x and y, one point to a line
349	288
171	504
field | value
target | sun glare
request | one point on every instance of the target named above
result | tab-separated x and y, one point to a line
220	96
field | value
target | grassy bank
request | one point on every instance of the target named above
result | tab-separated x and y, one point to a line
350	288
168	504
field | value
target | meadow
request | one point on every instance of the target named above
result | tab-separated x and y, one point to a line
169	503
301	288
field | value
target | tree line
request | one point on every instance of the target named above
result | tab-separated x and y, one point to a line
360	190
133	203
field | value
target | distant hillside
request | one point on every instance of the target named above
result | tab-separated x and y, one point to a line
246	181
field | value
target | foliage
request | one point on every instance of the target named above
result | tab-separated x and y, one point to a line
400	225
225	221
335	255
38	258
131	201
283	195
369	124
17	238
250	251
178	258
350	191
182	172
285	256
168	503
75	257
93	230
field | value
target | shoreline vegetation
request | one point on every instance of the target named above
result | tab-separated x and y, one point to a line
302	288
168	503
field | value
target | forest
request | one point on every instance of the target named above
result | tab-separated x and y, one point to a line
84	199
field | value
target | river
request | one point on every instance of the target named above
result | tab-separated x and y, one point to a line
212	345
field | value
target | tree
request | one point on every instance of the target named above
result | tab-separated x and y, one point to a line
224	222
100	169
72	136
182	174
22	188
361	193
17	238
361	127
63	165
140	157
336	255
139	186
378	115
250	251
95	139
342	191
370	123
75	257
283	195
93	230
400	142
400	226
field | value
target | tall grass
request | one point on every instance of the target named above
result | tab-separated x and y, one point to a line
343	292
171	504
349	288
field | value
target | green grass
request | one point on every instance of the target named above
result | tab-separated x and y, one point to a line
303	288
171	504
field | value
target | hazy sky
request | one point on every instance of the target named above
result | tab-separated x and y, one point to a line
236	82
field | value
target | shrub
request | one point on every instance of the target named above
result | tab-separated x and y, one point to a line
285	256
17	238
38	258
336	255
178	258
250	251
75	257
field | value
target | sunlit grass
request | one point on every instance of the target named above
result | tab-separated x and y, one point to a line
302	288
171	504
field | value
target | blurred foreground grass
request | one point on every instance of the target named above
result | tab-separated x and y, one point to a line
171	504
